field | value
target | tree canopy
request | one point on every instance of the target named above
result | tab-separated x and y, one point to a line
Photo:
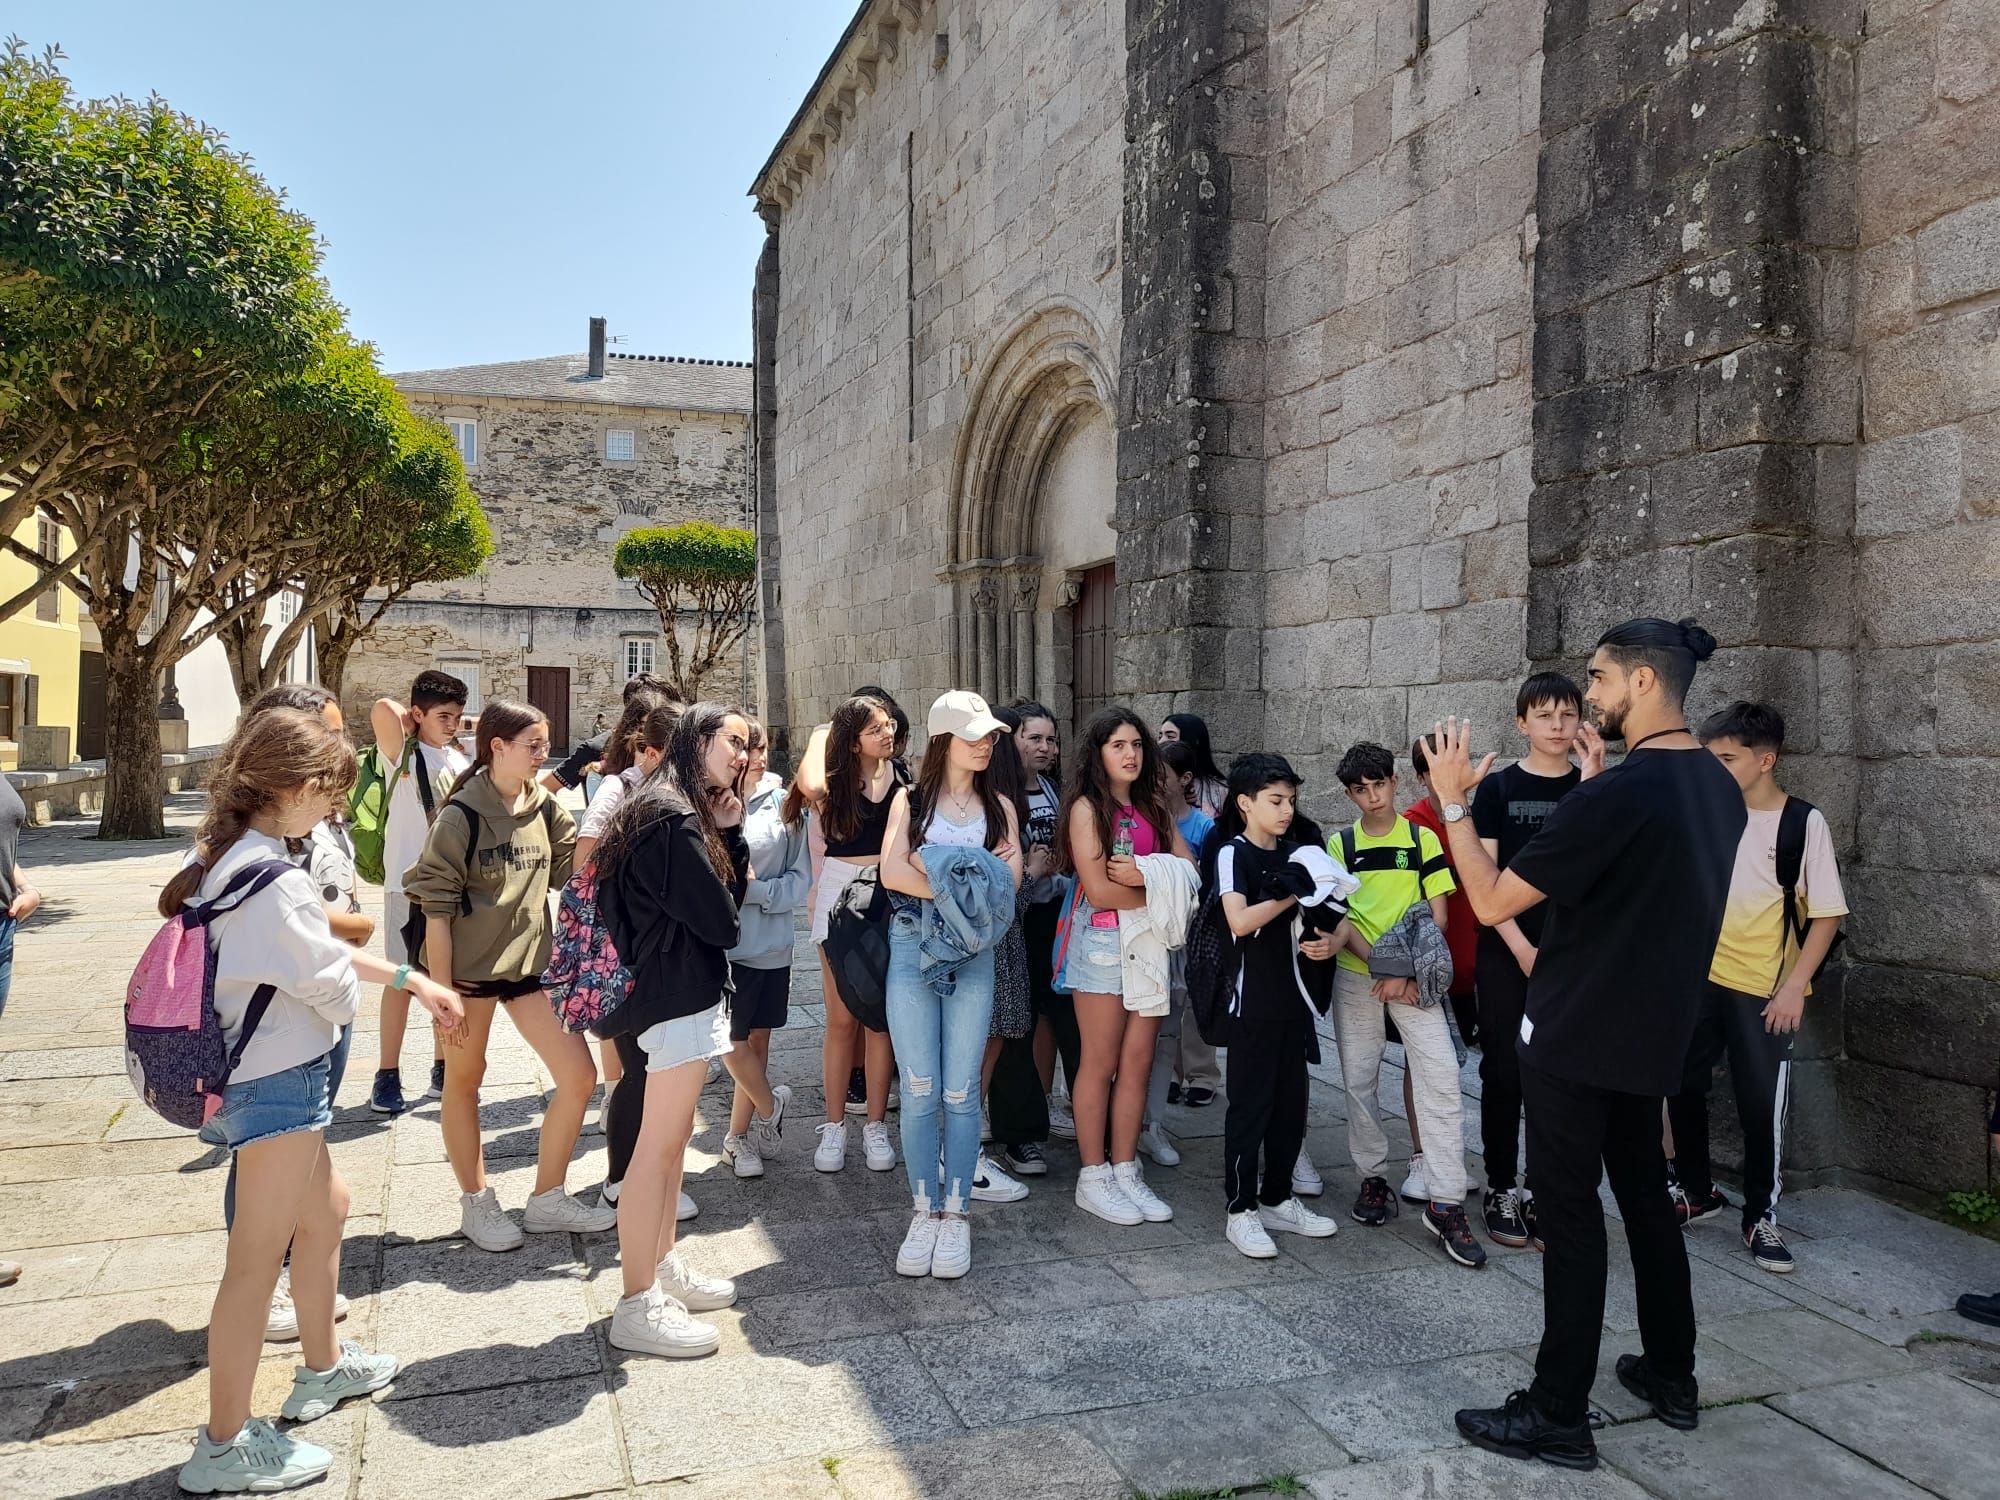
708	570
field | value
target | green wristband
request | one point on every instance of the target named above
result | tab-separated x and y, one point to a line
401	979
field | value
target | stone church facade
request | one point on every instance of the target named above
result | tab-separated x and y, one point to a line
1322	366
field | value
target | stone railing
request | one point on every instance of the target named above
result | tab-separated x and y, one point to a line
78	790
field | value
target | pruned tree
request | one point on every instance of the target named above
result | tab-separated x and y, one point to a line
698	573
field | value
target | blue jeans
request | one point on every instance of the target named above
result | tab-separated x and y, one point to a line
940	1045
7	926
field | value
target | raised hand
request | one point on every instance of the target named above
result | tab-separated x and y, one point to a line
1449	750
1590	751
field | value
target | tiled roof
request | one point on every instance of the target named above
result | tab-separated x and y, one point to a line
628	380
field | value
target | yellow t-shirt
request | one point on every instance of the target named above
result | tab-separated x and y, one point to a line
1754	951
1402	867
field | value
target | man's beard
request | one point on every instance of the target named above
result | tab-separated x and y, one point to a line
1611	721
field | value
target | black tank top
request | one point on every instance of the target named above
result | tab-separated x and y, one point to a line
868	837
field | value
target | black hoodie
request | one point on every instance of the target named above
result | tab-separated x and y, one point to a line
673	921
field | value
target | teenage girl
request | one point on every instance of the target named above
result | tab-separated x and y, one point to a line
1056	1036
1210	791
487	930
1113	812
280	777
671	873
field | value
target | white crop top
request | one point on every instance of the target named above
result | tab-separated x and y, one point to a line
957	835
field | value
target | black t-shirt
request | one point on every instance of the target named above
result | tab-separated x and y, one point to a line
1510	807
579	761
1635	864
1269	988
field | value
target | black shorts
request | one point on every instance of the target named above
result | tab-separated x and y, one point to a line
760	1000
502	990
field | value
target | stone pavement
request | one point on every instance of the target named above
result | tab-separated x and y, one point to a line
1078	1359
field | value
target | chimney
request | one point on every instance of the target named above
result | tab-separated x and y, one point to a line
597	348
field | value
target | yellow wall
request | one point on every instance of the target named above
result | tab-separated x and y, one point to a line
50	647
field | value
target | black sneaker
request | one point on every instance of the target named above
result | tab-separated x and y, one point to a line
1694	1210
1675	1402
386	1097
1767	1247
1505	1224
1533	1221
1173	1093
1520	1430
1375	1204
1025	1160
437	1078
1197	1098
1981	1307
857	1092
1451	1230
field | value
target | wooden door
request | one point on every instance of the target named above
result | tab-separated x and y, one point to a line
548	690
1091	643
90	706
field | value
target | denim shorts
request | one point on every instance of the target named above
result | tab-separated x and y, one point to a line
686	1039
1092	966
291	1099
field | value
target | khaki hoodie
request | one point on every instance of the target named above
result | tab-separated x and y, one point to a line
496	894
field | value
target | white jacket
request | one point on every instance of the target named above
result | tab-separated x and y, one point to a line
1146	934
281	937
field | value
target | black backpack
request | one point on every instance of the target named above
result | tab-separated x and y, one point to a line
1791	860
857	947
416	926
1212	966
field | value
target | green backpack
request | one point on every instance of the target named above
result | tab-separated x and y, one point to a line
368	805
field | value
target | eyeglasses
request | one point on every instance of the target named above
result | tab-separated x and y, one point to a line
737	743
888	729
536	747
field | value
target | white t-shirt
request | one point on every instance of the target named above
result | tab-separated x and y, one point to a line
604	801
403	839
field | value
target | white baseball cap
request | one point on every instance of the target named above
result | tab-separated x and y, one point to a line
964	714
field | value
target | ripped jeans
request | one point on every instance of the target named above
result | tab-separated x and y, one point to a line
939	1047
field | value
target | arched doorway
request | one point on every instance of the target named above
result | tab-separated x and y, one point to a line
1035	485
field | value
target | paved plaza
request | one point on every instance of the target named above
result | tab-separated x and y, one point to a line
1077	1359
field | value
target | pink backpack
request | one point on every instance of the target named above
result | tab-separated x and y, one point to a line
174	1052
585	980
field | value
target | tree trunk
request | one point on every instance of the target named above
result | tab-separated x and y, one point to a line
332	645
133	786
243	643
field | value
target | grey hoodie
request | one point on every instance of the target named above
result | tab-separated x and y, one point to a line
780	878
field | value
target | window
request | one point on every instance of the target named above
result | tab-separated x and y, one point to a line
638	655
619	445
466	435
48	542
288	607
466	670
10	702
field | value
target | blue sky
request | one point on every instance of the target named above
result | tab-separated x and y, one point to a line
488	177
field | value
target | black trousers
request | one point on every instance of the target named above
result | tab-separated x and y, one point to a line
1503	998
1760	1070
625	1107
1267	1089
1576	1134
1038	927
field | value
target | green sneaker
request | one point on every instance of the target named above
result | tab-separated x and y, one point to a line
358	1372
258	1458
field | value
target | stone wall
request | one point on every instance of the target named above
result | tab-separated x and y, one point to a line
967	186
1398	317
1923	1001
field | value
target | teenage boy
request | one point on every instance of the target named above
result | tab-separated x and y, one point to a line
1507	811
428	731
1757	986
1398	866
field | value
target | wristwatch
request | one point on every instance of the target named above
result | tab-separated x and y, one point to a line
1454	812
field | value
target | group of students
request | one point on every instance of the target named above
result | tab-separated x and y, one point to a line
1027	925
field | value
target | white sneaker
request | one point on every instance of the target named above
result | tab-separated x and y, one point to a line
1415	1189
738	1151
1098	1192
1247	1233
1156	1143
876	1149
654	1323
482	1220
832	1153
1306	1181
283	1322
920	1244
991	1185
1062	1124
686	1208
694	1291
1293	1217
953	1256
767	1131
555	1212
1152	1207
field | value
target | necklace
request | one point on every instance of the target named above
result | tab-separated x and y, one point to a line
962	803
1656	734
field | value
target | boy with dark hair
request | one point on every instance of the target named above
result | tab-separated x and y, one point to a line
1784	911
1508	810
1399	866
421	742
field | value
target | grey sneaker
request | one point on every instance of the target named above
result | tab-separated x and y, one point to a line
356	1373
258	1458
767	1132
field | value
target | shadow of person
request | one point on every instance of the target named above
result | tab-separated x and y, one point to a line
521	1389
148	1355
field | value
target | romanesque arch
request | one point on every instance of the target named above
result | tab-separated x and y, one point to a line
1044	385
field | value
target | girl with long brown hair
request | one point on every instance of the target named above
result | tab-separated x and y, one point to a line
281	775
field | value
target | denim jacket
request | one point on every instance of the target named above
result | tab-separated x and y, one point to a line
972	907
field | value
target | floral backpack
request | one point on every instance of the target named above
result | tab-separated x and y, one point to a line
585	980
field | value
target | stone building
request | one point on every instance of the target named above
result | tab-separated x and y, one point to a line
1323	365
567	454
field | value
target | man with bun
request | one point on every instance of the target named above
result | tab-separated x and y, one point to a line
1634	865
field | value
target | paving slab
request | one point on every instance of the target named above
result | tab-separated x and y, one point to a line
1204	1443
1896	1423
1807	1350
1744	1450
1725	1375
1469	1472
1043	1461
787	1320
1717	1292
1407	1409
534	1441
143	1468
1407	1317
